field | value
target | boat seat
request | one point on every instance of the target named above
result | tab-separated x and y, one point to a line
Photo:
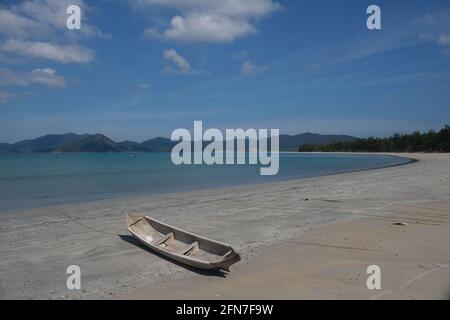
189	249
165	239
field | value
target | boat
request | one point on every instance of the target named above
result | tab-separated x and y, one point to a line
179	245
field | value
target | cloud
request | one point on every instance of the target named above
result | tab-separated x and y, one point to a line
41	76
438	26
242	54
4	97
9	77
403	33
176	63
444	39
239	8
249	68
14	25
37	29
47	50
207	28
211	21
52	15
47	77
144	86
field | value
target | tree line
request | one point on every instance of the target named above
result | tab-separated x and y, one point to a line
430	141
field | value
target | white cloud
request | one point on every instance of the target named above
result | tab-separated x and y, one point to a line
242	54
249	68
211	21
176	63
37	29
47	77
51	14
41	76
198	27
144	86
14	25
4	97
438	28
407	32
444	39
237	8
9	77
47	50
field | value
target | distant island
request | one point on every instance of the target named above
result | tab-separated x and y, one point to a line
71	143
430	141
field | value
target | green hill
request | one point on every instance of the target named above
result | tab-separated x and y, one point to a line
158	144
94	143
71	142
46	142
131	146
430	141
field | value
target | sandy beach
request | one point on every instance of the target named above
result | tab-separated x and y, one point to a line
300	239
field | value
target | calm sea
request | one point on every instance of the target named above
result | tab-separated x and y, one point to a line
28	180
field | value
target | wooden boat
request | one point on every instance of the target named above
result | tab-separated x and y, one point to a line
182	246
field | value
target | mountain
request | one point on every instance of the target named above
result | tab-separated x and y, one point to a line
47	142
159	144
131	146
71	142
92	143
288	142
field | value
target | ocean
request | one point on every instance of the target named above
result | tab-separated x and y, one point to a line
31	180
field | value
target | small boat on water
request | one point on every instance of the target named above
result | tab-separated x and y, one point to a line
182	246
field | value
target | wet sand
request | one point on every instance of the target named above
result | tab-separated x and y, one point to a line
308	238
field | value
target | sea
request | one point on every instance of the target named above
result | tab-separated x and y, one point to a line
42	179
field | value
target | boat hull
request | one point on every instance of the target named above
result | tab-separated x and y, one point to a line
184	247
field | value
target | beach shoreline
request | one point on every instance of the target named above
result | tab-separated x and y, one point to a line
54	197
260	221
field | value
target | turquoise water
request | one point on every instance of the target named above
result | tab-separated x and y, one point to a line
28	180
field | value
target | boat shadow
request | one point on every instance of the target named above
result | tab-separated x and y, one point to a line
209	273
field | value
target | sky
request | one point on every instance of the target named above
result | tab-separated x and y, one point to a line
138	69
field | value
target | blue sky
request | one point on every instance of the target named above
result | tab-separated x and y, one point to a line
142	68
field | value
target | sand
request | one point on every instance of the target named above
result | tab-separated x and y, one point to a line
291	248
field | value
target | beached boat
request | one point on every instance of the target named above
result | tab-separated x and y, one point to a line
182	246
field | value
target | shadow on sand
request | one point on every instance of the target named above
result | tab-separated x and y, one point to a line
209	273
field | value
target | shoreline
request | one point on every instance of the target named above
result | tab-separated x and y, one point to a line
38	245
141	194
